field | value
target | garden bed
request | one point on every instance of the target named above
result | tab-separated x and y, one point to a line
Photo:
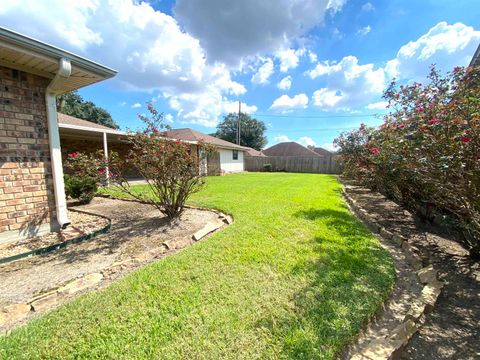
138	236
82	225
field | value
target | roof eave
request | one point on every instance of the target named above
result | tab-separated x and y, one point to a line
53	52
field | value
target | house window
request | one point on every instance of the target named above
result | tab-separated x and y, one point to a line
235	154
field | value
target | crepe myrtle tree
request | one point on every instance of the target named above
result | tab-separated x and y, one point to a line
426	154
170	167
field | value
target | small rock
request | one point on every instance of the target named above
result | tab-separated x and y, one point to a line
228	219
427	274
385	233
45	302
81	284
10	314
416	310
414	260
207	229
398	239
379	349
167	245
430	294
403	332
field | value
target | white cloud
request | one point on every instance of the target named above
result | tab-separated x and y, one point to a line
307	141
285	103
329	147
147	47
123	103
335	5
285	83
263	73
289	58
367	7
312	56
325	98
282	138
230	31
232	106
136	106
380	105
169	118
349	84
364	31
445	45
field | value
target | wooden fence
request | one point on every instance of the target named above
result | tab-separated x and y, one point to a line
297	164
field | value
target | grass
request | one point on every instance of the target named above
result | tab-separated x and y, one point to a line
294	277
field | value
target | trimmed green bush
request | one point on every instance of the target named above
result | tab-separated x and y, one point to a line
81	188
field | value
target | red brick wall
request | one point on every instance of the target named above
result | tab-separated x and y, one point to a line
26	185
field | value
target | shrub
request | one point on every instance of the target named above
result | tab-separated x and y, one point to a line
426	154
83	189
267	167
171	168
83	173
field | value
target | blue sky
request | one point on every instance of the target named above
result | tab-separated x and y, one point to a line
307	68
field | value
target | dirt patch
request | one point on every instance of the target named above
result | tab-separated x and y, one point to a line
451	330
138	235
81	224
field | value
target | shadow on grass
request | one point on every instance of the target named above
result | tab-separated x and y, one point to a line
350	277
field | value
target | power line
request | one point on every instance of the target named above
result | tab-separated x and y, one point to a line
325	129
316	116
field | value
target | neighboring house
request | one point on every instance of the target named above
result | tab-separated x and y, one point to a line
289	149
32	74
252	152
321	151
476	58
230	157
85	136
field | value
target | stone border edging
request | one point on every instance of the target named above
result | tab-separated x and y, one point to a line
12	314
392	346
64	244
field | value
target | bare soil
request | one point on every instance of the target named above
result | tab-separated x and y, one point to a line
452	330
136	228
81	224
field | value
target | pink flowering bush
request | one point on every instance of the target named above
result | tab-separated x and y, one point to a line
170	167
426	154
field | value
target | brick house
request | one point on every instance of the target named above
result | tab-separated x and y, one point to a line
32	74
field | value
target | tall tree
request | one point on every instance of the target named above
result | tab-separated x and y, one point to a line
72	104
251	133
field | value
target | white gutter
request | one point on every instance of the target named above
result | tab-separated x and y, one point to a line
63	73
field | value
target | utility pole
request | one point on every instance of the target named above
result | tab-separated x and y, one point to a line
238	124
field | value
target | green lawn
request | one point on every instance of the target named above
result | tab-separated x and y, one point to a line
295	276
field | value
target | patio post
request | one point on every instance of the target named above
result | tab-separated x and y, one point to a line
105	153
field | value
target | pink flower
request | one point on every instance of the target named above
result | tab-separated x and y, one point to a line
419	109
374	150
432	121
73	155
465	139
456	69
401	126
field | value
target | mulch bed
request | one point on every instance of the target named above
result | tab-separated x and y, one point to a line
81	224
451	330
139	235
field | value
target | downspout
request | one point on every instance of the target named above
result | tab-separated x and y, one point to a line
63	73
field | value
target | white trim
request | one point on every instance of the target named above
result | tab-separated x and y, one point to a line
92	129
62	75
